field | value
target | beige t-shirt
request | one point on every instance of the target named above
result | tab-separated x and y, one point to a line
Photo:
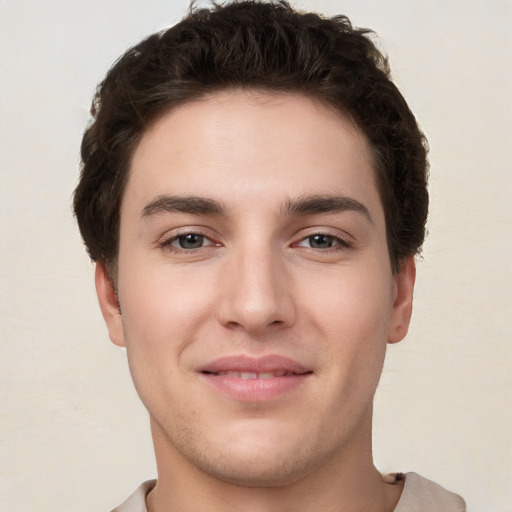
419	495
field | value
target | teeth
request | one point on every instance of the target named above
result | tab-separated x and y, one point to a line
253	375
248	375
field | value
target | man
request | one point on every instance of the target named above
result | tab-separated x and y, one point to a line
253	192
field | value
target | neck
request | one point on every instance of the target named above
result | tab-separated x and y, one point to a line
348	482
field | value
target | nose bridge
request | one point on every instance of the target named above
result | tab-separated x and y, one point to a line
256	289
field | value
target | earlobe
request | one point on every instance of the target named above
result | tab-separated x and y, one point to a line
402	306
109	305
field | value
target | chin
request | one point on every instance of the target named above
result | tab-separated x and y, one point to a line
272	470
258	459
249	453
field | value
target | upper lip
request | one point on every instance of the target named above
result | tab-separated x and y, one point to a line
243	363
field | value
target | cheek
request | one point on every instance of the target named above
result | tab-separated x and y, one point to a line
162	313
160	318
352	315
161	304
351	301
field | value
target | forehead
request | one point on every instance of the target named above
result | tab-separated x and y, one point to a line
249	146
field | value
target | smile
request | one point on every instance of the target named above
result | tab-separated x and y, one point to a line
248	379
254	375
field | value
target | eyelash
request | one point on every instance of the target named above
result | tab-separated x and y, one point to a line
168	242
338	243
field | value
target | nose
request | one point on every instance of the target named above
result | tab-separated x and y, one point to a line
257	292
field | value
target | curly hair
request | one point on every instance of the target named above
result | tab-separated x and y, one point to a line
254	45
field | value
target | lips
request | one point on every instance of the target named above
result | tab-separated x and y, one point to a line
254	375
277	365
245	378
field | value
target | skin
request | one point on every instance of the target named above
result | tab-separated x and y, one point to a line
258	283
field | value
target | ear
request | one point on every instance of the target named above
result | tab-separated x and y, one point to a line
402	305
109	305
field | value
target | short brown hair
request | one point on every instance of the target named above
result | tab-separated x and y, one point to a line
255	45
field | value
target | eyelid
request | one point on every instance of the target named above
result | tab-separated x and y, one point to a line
167	240
345	241
338	242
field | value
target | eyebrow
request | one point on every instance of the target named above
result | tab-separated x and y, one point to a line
184	204
307	205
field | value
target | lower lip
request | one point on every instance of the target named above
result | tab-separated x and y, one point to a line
255	390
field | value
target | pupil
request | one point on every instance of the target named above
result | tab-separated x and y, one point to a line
320	241
191	241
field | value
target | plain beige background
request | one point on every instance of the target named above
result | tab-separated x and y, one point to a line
73	434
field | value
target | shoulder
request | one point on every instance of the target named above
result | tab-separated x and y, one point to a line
137	501
423	495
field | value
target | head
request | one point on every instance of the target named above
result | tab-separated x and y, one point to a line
254	191
258	46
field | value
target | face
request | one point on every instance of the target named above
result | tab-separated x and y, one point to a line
255	290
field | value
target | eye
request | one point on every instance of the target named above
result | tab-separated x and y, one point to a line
187	242
322	241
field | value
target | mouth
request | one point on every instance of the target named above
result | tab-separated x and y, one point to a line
249	379
248	375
